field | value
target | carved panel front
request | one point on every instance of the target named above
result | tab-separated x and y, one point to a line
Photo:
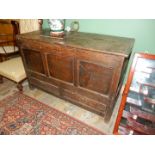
61	67
33	60
95	77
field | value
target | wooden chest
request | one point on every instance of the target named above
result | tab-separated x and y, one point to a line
85	69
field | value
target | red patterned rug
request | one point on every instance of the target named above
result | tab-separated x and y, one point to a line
23	115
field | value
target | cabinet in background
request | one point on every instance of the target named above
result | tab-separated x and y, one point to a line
137	110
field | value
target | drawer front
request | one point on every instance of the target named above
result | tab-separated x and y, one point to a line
85	102
44	86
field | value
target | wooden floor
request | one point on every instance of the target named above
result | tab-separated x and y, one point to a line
90	118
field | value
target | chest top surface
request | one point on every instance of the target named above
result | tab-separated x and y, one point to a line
96	42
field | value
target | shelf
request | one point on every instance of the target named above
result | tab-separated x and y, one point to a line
126	114
146	84
140	127
134	101
153	68
147	70
132	89
142	114
149	100
124	131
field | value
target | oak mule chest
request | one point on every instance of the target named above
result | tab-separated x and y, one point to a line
83	68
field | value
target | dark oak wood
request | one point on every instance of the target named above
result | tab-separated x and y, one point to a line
86	69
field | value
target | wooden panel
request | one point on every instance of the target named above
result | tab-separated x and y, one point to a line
95	77
33	61
61	67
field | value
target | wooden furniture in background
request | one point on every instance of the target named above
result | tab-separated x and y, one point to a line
86	69
137	110
8	31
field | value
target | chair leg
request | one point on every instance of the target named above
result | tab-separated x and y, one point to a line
19	86
1	79
2	58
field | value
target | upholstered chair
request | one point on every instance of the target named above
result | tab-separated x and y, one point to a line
13	69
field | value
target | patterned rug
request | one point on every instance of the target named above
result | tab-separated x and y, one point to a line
23	115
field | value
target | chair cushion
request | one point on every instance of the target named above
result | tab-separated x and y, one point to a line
13	69
8	49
